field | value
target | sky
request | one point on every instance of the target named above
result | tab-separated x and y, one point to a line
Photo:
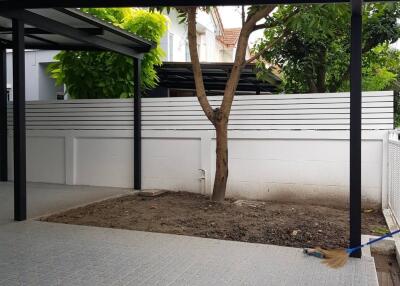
231	16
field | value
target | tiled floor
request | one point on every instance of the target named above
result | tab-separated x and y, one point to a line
40	253
47	198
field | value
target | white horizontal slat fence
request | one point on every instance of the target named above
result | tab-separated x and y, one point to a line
328	111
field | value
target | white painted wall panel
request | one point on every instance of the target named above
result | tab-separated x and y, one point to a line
45	159
172	164
104	162
301	169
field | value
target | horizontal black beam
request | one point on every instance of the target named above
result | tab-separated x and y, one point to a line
208	80
173	72
77	14
209	65
37	31
48	42
57	47
55	27
214	82
240	87
214	79
28	4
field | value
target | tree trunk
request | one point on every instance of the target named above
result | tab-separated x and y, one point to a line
321	72
312	88
221	171
219	117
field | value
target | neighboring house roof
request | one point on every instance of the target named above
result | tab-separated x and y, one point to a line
217	21
230	37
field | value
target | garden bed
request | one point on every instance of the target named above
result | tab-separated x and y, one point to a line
286	224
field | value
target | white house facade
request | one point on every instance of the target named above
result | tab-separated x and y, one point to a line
214	43
38	84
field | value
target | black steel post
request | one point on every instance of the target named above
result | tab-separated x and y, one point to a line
137	125
19	121
3	116
355	125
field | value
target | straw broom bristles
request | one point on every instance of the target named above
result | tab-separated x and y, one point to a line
335	258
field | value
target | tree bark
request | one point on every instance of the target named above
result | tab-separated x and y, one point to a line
197	73
240	57
312	88
321	73
221	171
219	117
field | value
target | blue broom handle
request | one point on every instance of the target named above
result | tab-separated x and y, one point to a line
374	240
383	236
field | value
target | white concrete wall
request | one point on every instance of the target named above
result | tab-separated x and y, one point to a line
300	166
281	147
311	166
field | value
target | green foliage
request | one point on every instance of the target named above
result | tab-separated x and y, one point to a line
313	51
381	68
107	74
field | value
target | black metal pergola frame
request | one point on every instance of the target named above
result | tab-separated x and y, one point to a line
81	39
355	75
179	75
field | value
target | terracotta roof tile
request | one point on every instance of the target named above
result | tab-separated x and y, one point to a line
230	37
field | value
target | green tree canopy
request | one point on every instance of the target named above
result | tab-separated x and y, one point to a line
312	46
108	74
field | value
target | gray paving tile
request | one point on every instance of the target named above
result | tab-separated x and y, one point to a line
40	253
48	198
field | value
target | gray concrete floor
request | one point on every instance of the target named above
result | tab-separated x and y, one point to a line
48	198
40	253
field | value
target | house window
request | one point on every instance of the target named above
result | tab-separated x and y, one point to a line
171	47
187	52
198	37
164	47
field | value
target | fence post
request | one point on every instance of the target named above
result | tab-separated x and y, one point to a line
355	125
19	120
3	116
385	178
137	123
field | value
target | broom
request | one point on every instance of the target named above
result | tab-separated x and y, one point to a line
336	258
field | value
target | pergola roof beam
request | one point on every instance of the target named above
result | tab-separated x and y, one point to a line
15	4
55	27
40	39
105	26
37	31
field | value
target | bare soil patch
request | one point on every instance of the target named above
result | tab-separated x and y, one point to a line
286	224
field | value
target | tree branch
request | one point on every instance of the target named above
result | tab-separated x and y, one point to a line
240	58
276	23
197	74
267	47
